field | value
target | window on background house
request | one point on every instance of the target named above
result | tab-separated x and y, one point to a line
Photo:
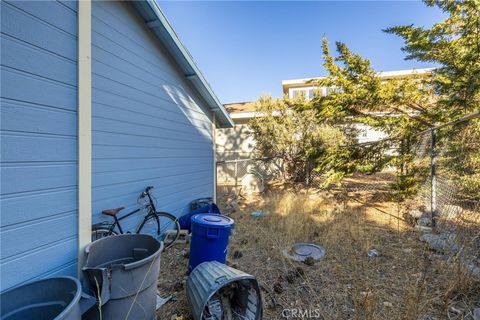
297	93
307	93
329	90
364	132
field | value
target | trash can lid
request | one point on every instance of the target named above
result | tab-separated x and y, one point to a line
301	251
212	220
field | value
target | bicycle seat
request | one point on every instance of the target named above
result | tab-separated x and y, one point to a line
112	212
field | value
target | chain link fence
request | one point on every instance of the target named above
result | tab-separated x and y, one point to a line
453	192
445	172
231	172
433	180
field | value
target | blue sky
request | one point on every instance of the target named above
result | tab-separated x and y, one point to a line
245	49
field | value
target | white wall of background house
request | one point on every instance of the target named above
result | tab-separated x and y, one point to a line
74	142
365	132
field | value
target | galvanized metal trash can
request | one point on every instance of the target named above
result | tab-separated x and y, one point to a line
216	291
186	220
201	202
209	241
53	298
123	272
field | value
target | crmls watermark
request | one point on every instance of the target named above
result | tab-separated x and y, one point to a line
301	313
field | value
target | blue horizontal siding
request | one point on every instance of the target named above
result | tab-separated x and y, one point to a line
37	61
134	38
40	91
121	102
149	126
116	165
70	4
39	263
33	205
150	121
25	147
33	30
40	177
49	14
38	222
34	118
121	87
20	235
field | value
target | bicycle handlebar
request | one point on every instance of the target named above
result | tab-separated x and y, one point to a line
146	192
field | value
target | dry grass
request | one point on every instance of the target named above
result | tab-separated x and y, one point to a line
407	281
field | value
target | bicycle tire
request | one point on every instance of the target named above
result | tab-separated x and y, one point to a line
102	232
167	222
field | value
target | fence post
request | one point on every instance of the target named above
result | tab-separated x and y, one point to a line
236	174
433	173
307	177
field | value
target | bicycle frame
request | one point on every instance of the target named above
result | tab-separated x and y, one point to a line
151	211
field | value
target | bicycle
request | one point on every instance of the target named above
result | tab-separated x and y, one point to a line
154	223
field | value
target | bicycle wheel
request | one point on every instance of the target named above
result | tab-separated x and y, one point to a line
102	232
157	225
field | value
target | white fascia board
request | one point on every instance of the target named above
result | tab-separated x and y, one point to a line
299	81
245	115
250	115
383	74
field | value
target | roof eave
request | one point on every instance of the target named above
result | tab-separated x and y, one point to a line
158	23
383	74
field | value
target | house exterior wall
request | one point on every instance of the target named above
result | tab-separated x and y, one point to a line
233	144
149	126
367	133
38	226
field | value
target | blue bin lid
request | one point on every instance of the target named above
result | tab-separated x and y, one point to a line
212	220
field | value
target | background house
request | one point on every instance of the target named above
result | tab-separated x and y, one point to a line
98	100
235	145
302	87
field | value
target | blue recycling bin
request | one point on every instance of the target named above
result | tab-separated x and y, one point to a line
209	241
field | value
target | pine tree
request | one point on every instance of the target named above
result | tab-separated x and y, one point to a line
453	44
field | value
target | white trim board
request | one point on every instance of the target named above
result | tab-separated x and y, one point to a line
84	128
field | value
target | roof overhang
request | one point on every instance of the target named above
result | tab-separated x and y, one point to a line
245	115
158	23
294	83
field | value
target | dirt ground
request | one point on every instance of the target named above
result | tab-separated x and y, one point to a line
405	281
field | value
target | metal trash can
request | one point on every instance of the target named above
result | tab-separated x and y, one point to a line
185	220
216	291
201	202
123	272
209	241
53	298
